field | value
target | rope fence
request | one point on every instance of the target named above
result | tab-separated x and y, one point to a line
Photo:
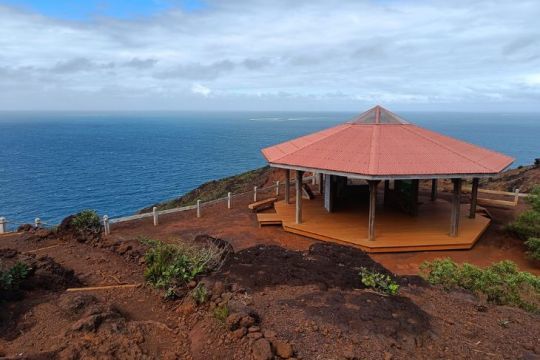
257	193
155	214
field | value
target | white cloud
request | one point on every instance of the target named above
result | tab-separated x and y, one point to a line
532	79
278	55
200	90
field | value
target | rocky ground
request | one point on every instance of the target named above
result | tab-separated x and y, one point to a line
281	304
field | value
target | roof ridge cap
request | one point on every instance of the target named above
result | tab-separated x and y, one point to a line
373	149
447	147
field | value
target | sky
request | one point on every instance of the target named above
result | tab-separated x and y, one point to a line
270	55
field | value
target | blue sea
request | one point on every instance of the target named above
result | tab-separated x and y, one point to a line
53	164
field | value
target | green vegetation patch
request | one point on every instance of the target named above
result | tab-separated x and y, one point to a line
11	278
171	266
527	225
221	312
87	221
533	244
379	282
501	282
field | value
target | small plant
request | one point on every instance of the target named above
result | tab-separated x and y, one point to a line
175	265
533	244
87	221
221	312
170	294
527	224
503	323
501	282
11	279
379	282
200	294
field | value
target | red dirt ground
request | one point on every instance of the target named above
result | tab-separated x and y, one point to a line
311	299
296	291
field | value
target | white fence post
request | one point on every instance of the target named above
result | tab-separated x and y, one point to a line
254	194
229	198
37	222
106	225
155	214
277	188
198	208
3	227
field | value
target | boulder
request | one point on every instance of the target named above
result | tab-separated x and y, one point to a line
283	349
262	350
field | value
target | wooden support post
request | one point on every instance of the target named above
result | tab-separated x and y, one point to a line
434	189
155	215
321	185
386	192
313	178
3	226
229	200
198	208
474	197
106	226
456	206
516	196
254	194
277	188
287	186
415	190
372	205
298	184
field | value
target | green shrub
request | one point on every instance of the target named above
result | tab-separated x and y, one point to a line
87	221
169	265
501	282
533	244
527	225
11	278
379	282
534	198
200	294
221	312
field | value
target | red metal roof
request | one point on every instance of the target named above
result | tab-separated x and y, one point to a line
378	143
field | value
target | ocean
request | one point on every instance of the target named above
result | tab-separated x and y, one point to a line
53	164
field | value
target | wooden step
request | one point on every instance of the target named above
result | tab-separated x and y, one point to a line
262	204
269	219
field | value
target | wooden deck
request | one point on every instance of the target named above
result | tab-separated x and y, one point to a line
394	231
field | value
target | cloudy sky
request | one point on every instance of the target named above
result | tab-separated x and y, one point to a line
269	55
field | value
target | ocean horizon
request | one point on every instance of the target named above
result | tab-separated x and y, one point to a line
55	164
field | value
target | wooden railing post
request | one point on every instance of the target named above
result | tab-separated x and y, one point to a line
3	227
106	227
516	196
229	200
198	208
277	188
155	215
254	194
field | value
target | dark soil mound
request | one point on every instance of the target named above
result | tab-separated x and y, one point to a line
44	273
326	265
